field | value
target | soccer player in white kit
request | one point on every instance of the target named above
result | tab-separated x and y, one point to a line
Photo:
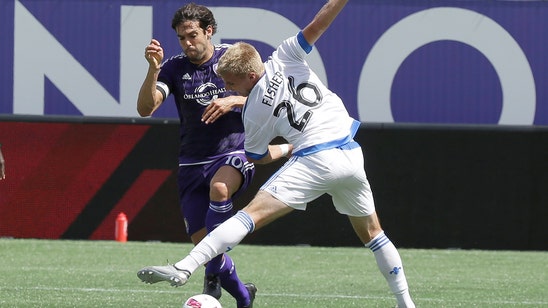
286	99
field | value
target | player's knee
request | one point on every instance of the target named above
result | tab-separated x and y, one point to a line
218	191
366	227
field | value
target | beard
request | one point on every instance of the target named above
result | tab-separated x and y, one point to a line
195	55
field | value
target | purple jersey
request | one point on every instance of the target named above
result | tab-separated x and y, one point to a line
194	87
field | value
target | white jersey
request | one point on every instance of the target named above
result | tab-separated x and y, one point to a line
290	101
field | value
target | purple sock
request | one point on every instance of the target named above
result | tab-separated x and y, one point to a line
218	213
231	283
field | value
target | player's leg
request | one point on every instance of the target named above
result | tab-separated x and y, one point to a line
220	209
263	209
195	190
260	211
386	255
224	184
352	196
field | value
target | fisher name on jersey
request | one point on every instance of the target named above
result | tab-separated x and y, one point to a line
290	101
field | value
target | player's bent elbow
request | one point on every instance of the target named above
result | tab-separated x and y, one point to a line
144	112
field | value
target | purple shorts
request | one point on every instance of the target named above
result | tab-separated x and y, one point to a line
194	183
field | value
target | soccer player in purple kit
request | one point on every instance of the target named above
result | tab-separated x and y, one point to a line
213	167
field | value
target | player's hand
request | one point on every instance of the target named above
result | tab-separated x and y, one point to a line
154	54
220	106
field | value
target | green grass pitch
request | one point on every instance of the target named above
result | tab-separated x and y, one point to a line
61	273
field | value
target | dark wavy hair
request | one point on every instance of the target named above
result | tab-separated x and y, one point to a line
192	11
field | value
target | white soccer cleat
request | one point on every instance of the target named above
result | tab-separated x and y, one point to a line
169	273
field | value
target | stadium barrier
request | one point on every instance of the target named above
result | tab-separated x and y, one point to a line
435	186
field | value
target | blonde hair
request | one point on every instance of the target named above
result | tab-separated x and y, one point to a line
240	59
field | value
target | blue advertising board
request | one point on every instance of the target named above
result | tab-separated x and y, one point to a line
410	61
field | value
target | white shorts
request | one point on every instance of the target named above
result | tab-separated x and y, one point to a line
339	173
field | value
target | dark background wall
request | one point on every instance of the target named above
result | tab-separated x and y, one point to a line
483	187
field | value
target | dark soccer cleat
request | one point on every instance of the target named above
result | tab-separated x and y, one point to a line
252	289
212	285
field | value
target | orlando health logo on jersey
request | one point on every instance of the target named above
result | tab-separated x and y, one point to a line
205	93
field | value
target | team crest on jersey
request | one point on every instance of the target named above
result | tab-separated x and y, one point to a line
205	93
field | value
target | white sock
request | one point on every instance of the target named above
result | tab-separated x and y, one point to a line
390	264
227	235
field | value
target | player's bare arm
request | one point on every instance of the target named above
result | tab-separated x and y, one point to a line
275	152
150	98
221	106
322	20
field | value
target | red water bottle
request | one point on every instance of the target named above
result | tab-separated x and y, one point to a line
120	230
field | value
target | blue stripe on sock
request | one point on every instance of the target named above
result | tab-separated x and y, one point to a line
244	218
378	243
